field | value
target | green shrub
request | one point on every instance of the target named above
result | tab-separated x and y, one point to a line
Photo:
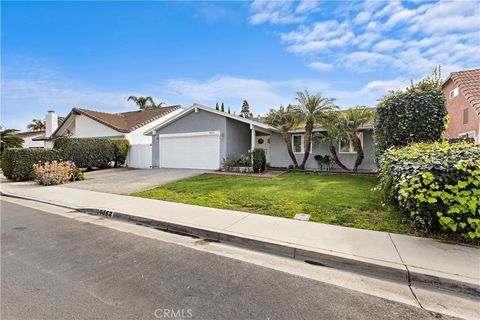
17	164
417	114
78	175
87	152
120	146
436	184
259	160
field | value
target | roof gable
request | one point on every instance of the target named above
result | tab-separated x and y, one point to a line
468	82
125	121
214	111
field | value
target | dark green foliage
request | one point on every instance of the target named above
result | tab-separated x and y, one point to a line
437	185
120	149
323	161
417	114
17	164
8	139
259	160
245	112
92	152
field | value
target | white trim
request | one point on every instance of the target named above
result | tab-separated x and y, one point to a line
302	143
453	93
189	134
220	113
352	151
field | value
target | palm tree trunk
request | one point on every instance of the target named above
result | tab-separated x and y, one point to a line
357	146
333	151
307	142
288	141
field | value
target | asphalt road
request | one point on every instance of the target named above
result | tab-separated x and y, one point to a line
58	268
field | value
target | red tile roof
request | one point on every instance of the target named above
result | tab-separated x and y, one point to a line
469	83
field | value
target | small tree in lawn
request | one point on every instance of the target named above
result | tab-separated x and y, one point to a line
332	122
284	120
310	109
245	112
416	114
352	120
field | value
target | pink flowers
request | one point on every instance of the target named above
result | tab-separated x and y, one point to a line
55	172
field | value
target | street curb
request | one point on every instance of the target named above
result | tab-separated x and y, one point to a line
327	259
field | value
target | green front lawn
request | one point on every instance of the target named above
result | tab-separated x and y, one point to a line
335	199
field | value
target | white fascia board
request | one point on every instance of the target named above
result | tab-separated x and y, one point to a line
190	134
172	119
207	109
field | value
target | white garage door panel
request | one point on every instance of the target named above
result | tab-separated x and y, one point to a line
191	152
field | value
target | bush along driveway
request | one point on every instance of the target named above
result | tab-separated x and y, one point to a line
335	199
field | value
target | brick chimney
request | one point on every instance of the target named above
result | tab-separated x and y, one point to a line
51	123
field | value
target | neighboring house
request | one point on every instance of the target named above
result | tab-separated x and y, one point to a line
462	92
83	123
35	139
202	138
29	136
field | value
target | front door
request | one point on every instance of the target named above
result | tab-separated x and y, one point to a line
263	142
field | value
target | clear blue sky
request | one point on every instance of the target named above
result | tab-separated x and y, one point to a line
58	55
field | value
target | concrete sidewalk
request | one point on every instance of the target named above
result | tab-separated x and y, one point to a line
419	261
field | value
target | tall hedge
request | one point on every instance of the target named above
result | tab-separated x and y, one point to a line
416	114
17	163
92	152
120	150
437	185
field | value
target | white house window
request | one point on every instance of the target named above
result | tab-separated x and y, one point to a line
298	141
453	93
347	147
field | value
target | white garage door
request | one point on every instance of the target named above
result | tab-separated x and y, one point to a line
197	150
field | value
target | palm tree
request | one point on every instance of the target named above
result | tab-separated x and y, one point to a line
284	120
353	120
36	125
145	103
311	109
332	123
8	139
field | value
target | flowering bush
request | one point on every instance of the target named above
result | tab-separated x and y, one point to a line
56	172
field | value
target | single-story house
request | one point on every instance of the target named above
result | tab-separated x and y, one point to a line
35	139
462	92
203	138
84	123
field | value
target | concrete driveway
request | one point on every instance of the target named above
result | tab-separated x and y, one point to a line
127	180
